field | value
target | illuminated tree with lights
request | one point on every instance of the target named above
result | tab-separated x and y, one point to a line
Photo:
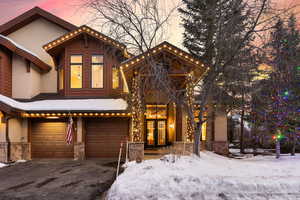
282	110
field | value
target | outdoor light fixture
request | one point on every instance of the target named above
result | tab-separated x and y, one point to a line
58	115
172	126
52	117
1	117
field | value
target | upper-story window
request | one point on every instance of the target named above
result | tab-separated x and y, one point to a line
76	71
97	71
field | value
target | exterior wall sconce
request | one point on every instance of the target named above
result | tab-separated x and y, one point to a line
1	118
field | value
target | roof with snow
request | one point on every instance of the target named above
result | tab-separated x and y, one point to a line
66	104
165	46
23	52
87	31
31	15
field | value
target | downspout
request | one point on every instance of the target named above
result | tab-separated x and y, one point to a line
8	160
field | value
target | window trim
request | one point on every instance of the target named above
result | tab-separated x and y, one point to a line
91	71
70	74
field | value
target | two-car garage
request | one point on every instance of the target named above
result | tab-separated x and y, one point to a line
102	137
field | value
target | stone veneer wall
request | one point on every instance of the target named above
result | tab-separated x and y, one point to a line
3	152
221	148
18	151
79	151
135	151
186	148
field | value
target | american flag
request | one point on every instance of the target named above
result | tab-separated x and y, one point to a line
69	135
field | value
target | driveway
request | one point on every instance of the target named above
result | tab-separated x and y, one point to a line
56	179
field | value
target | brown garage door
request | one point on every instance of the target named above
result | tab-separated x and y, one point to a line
48	140
103	137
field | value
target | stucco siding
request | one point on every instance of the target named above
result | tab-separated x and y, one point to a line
25	85
221	127
16	130
2	132
33	36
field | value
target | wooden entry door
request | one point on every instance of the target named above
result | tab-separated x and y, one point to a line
156	133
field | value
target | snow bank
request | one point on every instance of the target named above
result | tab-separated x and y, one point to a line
67	104
210	177
2	165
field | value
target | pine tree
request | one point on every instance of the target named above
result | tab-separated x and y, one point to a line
281	92
219	32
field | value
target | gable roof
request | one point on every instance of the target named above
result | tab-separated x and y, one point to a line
31	15
86	30
164	46
21	51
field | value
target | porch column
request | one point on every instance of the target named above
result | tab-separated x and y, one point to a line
136	144
3	143
137	111
79	146
220	144
190	99
18	138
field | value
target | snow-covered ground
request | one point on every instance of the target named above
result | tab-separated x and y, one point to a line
2	165
210	177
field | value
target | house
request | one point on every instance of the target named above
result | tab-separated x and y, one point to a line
51	70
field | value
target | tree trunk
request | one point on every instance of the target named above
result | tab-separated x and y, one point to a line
255	140
197	141
198	134
277	148
293	144
242	150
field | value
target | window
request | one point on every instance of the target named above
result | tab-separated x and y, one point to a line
156	112
97	71
76	71
61	78
115	78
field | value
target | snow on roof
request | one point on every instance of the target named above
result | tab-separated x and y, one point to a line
19	46
67	104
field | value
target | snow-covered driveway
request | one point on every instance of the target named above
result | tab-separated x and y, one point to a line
210	177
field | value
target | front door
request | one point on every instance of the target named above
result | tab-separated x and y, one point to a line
156	133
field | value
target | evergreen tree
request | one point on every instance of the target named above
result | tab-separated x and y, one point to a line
279	96
219	32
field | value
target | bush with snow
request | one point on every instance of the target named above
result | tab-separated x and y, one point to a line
209	177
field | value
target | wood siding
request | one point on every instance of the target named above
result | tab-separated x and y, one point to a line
103	137
5	73
88	48
48	140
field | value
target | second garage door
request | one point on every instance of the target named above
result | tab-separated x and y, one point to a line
48	140
103	137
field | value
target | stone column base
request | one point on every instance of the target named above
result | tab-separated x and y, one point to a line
209	145
3	152
221	147
184	148
135	151
18	151
79	151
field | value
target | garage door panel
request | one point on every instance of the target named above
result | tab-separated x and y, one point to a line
103	137
48	140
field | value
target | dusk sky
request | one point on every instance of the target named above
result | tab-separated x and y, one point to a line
69	10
